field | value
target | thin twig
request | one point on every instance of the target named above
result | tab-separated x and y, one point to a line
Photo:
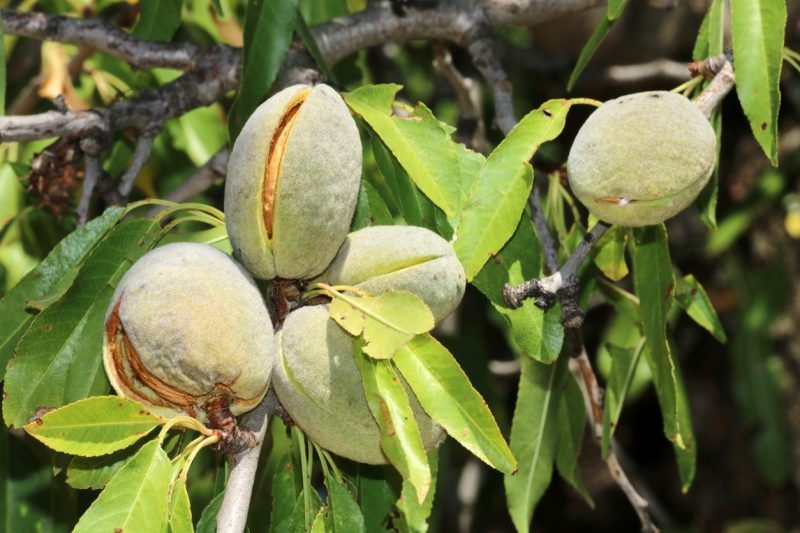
716	91
481	46
232	515
140	156
92	171
199	181
564	282
581	369
543	231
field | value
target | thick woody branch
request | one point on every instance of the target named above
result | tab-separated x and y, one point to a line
100	35
483	50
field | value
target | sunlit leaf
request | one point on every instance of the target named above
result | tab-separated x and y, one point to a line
414	514
447	396
95	472
400	437
158	19
692	297
94	426
387	321
610	253
180	509
418	141
136	497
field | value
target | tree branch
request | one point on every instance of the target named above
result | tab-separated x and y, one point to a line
232	515
140	156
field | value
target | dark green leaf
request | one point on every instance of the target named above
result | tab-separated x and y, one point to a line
345	514
710	38
136	497
534	437
375	495
2	69
534	333
59	360
757	32
444	391
62	262
311	45
413	514
370	209
208	518
285	490
615	8
571	426
267	33
95	472
655	287
623	367
591	46
158	19
497	198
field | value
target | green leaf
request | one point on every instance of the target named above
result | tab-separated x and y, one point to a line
136	497
534	437
285	490
180	509
418	141
710	38
615	8
757	32
375	495
268	32
591	46
497	198
94	426
445	393
2	69
692	297
609	253
655	285
158	19
707	200
534	333
389	404
387	321
371	210
414	514
95	472
346	517
311	45
62	262
208	518
571	426
59	360
623	367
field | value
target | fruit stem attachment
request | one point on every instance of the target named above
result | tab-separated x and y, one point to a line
232	440
183	421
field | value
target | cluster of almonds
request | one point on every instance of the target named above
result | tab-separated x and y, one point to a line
188	331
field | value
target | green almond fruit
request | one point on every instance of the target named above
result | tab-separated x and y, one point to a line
408	258
642	158
186	326
318	383
292	184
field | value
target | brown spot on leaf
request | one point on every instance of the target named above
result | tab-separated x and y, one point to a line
668	291
763	126
547	113
48	328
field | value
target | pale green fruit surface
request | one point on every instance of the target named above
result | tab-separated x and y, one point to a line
316	189
642	158
196	321
318	383
408	258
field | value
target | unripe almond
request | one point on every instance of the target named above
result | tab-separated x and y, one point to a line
187	326
292	184
318	383
642	158
408	258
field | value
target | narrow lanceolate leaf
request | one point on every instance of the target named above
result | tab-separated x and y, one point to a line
387	321
2	69
158	19
623	367
94	426
534	437
655	286
267	33
533	332
345	515
413	514
610	254
136	497
757	32
60	263
497	198
417	139
389	404
692	297
180	509
571	426
445	393
59	360
614	10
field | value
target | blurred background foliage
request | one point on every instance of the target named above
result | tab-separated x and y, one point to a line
744	394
